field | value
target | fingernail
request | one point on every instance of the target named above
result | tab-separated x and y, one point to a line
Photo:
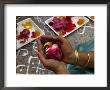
37	52
37	40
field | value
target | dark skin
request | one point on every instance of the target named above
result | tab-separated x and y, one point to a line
59	67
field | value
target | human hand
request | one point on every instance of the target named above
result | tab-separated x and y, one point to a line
69	56
58	67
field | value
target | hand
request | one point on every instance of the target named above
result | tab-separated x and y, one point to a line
67	50
58	67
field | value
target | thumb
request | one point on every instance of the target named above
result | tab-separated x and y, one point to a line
42	58
62	39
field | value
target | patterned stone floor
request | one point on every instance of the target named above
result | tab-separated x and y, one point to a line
27	61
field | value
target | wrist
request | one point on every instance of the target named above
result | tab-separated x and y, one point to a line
62	70
79	58
72	58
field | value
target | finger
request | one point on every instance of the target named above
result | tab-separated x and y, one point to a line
42	58
62	39
46	38
40	45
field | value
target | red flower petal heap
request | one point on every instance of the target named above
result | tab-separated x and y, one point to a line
62	25
24	35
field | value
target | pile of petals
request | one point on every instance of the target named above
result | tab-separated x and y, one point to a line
24	35
62	24
35	34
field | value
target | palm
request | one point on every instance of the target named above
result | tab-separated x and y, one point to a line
67	51
53	64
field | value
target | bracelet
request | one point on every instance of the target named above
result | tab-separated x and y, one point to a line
77	57
88	60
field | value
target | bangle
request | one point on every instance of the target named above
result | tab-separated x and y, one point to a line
77	57
88	60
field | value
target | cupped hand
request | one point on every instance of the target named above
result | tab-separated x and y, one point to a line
68	51
58	67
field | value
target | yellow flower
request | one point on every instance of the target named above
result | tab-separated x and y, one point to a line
62	17
80	21
27	25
